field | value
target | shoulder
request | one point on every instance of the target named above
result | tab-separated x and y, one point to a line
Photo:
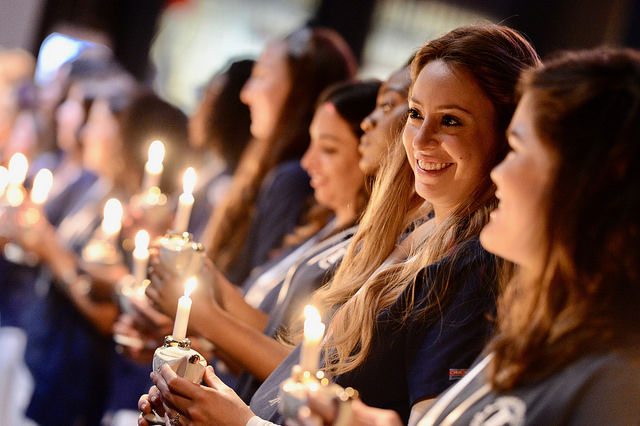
470	266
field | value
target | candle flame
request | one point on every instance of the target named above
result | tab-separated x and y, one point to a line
142	241
156	155
311	314
4	179
112	219
41	186
189	181
18	166
189	286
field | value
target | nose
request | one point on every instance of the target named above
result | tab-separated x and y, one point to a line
426	138
306	162
245	92
369	123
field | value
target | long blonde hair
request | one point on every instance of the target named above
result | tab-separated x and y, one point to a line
495	55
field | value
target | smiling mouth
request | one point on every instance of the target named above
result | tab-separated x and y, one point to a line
428	166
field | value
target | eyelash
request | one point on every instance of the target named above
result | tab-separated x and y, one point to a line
450	121
447	120
413	113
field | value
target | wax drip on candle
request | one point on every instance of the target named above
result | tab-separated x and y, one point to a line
182	313
41	186
141	256
313	333
185	202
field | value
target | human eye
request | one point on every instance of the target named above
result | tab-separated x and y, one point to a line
450	121
414	114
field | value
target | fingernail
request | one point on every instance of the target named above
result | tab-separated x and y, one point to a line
143	406
154	398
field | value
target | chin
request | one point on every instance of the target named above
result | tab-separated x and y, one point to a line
488	240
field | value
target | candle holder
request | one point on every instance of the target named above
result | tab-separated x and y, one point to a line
293	391
186	362
181	254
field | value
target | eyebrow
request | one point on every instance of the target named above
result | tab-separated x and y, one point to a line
448	106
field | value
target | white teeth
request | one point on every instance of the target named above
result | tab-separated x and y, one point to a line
432	166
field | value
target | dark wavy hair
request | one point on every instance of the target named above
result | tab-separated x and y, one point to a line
228	122
587	113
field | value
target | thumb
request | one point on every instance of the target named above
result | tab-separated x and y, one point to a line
211	380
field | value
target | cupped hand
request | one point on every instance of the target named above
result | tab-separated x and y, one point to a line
324	410
213	404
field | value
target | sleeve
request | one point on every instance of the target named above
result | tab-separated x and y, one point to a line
279	207
257	421
612	397
441	356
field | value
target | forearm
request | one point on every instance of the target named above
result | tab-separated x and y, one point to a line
233	302
248	347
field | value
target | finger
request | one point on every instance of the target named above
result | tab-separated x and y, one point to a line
213	381
306	418
174	395
322	405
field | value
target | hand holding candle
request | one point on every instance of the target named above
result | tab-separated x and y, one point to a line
313	333
153	166
141	256
185	202
182	313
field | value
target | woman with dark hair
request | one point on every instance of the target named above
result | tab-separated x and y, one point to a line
409	312
280	289
269	189
219	131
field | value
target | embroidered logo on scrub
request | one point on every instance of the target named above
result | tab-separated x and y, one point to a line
457	373
506	410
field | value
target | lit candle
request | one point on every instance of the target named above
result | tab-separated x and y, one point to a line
4	179
18	166
153	166
41	186
182	314
185	202
112	219
313	332
141	256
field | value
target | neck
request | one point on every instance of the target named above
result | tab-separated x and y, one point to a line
345	216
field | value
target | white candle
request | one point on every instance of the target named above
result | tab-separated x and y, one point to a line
184	308
112	219
185	202
41	186
153	166
313	332
141	256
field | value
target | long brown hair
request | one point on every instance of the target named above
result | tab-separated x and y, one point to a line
317	57
586	299
495	55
